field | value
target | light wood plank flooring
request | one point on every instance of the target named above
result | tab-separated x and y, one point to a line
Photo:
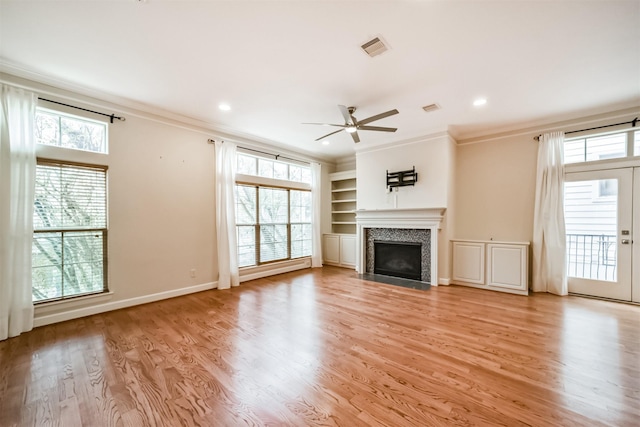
322	347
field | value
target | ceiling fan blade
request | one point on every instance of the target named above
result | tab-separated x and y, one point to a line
329	134
345	113
378	117
326	124
377	128
355	137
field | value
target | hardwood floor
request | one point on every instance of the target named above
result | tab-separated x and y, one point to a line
322	347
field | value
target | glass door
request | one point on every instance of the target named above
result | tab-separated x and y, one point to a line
635	285
598	216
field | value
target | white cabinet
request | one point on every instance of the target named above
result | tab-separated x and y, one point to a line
468	262
348	251
331	249
507	266
499	266
339	250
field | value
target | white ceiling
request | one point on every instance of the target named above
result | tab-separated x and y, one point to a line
281	63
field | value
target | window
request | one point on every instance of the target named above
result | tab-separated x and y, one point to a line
246	223
70	231
274	218
300	223
267	168
273	223
66	131
595	148
636	143
607	188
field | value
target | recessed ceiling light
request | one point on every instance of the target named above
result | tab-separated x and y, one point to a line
224	107
325	142
479	102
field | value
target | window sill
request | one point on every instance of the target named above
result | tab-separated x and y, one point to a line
278	267
80	301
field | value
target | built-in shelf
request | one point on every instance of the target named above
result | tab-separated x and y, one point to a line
343	202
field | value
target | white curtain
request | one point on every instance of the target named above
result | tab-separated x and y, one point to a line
17	192
549	235
228	275
316	221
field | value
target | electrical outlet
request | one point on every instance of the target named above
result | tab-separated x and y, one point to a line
193	272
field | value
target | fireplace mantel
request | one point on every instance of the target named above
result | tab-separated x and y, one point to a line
417	218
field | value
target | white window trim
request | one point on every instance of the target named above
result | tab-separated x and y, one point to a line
242	179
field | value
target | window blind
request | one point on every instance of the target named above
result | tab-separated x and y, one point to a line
70	197
69	252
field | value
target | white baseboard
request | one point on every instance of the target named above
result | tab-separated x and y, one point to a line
444	281
48	319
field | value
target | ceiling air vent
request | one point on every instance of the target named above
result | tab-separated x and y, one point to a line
374	47
431	107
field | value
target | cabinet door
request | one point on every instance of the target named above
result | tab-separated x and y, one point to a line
507	266
331	249
468	262
348	251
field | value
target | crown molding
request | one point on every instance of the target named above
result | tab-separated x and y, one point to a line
400	143
566	125
66	91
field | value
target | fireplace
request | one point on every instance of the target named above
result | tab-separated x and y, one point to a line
398	236
419	225
398	259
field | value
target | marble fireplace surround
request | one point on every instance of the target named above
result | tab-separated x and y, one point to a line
411	219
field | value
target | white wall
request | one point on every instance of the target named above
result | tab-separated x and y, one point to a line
161	206
430	156
161	196
495	189
434	160
495	179
161	213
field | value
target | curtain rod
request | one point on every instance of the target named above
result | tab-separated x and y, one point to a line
111	116
632	122
276	156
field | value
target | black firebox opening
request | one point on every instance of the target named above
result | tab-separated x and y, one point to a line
398	259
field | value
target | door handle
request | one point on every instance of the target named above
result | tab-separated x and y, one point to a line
625	241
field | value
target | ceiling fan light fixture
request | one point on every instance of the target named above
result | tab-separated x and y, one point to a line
352	125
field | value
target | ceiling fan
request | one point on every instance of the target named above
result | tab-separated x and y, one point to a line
352	125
